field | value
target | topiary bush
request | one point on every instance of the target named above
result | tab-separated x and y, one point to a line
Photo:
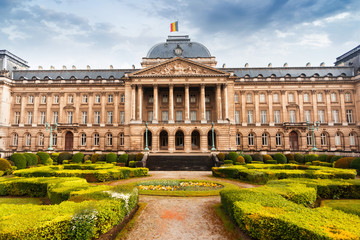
267	157
48	161
102	157
139	157
271	162
233	156
111	157
343	162
54	156
132	164
258	157
323	157
64	156
95	157
248	158
311	157
328	158
87	158
4	165
19	160
280	158
123	158
43	156
228	162
78	157
289	157
355	164
299	158
335	158
221	156
31	159
87	162
240	159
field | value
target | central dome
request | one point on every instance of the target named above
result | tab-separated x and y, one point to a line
179	46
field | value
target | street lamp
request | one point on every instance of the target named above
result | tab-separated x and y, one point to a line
51	128
212	135
146	137
311	127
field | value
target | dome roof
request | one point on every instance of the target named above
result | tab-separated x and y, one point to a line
178	46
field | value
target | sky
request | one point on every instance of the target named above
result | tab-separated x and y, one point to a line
121	32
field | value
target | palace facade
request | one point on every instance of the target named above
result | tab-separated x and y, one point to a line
180	94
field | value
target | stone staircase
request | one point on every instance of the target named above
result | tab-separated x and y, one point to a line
171	162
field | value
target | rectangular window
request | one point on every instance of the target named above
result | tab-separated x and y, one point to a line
109	117
306	97
85	99
263	117
42	118
347	97
84	117
349	116
110	98
96	117
178	115
55	117
122	98
292	116
165	98
236	98
237	117
18	99
321	116
69	117
248	98
97	98
207	98
320	97
178	98
150	116
122	117
250	117
165	116
277	116
262	98
193	115
276	97
30	118
307	116
208	115
43	99
333	97
17	118
71	99
31	99
151	98
192	98
56	99
335	116
291	97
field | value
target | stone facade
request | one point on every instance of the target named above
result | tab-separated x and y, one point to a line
179	97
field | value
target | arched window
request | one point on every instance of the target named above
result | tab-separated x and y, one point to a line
323	139
278	139
41	139
309	139
264	139
28	139
251	139
337	139
96	139
83	139
352	141
15	139
238	139
109	139
122	139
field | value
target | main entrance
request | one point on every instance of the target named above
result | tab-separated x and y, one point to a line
195	140
69	141
294	141
163	140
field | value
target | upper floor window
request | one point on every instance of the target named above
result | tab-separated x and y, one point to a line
43	99
262	98
56	99
96	139
122	98
249	98
306	97
110	98
70	99
276	97
97	98
122	117
307	116
292	116
347	97
320	97
178	98
236	98
207	98
251	139
69	117
291	97
333	97
349	116
237	117
151	98
192	98
18	99
165	98
85	98
31	99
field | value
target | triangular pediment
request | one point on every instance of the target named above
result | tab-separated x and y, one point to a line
178	67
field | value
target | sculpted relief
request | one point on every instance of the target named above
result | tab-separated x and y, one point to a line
178	68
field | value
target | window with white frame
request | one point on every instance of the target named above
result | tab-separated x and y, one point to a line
121	139
85	98
96	139
17	118
178	98
83	117
165	116
208	115
337	139
277	116
347	97
97	98
122	98
96	117
263	119
251	139
237	117
15	139
291	97
276	98
349	116
307	116
238	139
28	139
109	139
55	117
31	99
43	99
41	139
236	98
179	116
30	118
18	100
151	98
306	97
110	117
320	97
250	118
122	117
323	139
207	98
192	98
264	139
292	115
42	118
56	99
249	98
333	97
262	97
110	98
150	116
335	114
54	139
309	139
352	139
193	115
278	139
69	117
321	114
71	99
83	139
165	98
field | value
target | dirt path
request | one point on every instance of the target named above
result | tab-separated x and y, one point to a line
167	218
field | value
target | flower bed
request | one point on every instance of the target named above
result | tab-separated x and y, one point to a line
182	186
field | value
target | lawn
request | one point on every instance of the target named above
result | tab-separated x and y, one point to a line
345	205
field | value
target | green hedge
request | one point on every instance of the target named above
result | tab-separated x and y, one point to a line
64	156
77	157
19	160
31	159
4	165
43	156
123	158
280	158
111	157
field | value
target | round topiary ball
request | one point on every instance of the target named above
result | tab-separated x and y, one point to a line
344	162
258	157
43	156
355	164
95	157
280	158
19	160
4	165
290	157
267	157
139	157
221	156
248	158
335	158
240	159
123	158
64	156
299	158
111	157
48	161
78	157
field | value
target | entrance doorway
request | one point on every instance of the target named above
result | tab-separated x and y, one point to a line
179	140
195	140
149	139
294	141
210	139
69	141
163	140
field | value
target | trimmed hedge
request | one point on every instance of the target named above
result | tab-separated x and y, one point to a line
139	157
221	157
111	157
355	164
77	157
4	165
19	160
343	162
95	157
335	158
31	159
267	157
123	158
233	156
311	157
240	159
54	156
257	157
299	158
64	156
43	156
280	158
248	158
290	157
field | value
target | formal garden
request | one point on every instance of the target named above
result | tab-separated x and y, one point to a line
77	196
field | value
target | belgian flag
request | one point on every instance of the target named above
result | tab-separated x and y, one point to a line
174	27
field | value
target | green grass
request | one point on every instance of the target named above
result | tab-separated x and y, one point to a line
21	201
346	205
130	225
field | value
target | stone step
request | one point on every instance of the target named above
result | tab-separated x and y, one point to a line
179	163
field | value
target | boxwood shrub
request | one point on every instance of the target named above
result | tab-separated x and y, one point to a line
111	157
123	158
19	160
280	158
258	157
335	158
4	165
343	162
267	157
54	156
311	157
43	156
31	159
240	159
248	158
95	157
221	157
289	157
323	157
299	158
64	156
78	157
355	164
139	157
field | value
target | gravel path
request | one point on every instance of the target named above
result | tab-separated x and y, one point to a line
180	218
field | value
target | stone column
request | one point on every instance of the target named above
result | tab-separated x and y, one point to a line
226	102
218	103
155	107
48	108
283	105
140	96
257	111
187	104
342	106
171	103
62	102
314	104
77	117
243	109
116	110
103	117
271	112
133	102
22	111
328	108
90	117
301	106
36	119
202	103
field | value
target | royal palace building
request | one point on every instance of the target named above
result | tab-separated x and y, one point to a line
179	95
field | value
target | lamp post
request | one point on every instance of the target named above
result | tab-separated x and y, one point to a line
311	127
212	135
146	137
50	127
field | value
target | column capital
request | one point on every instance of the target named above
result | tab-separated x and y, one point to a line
341	90
255	92
155	85
242	91
282	92
187	85
225	84
299	91
327	91
313	91
171	85
269	91
139	85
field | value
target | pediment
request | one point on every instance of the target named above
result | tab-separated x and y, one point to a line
179	67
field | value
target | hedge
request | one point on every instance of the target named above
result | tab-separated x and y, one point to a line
248	158
233	156
43	156
95	157
64	156
111	157
258	157
139	157
77	157
4	165
19	160
123	158
355	164
299	158
280	158
221	156
343	162
31	159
